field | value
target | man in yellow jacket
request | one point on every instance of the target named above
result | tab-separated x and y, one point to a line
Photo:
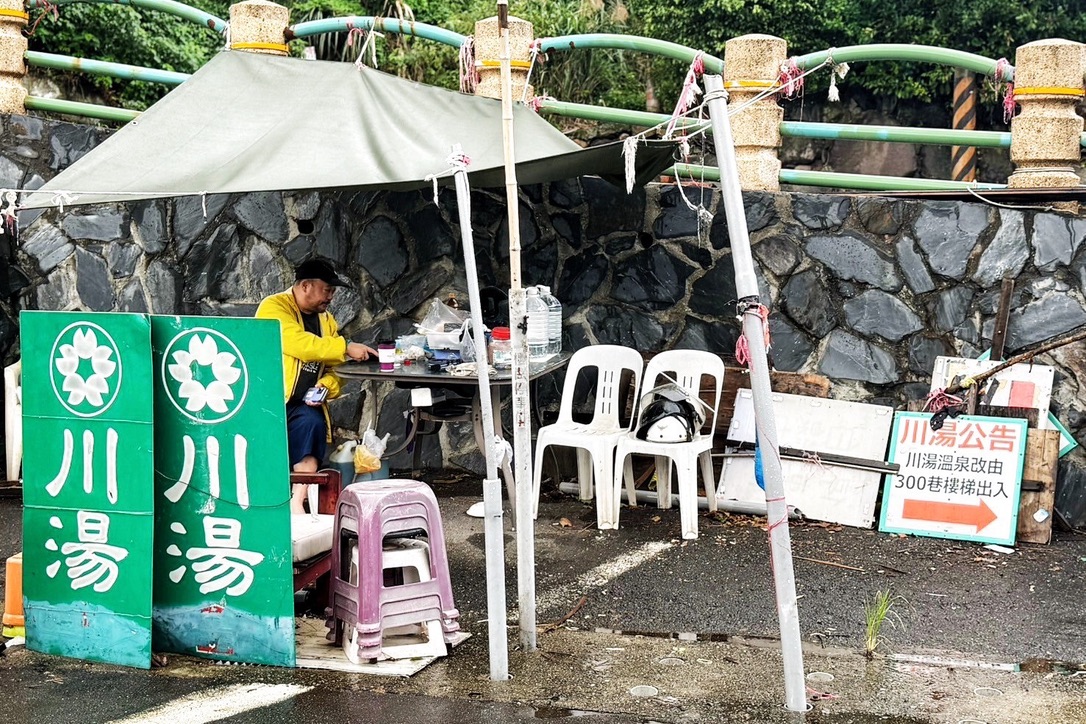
312	347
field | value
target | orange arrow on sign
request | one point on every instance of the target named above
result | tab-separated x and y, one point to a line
979	515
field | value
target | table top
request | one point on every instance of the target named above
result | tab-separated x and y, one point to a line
370	370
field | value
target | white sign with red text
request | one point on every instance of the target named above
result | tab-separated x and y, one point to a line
961	481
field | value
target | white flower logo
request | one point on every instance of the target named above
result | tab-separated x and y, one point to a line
85	347
205	353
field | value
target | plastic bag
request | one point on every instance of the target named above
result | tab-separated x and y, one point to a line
467	342
367	454
440	317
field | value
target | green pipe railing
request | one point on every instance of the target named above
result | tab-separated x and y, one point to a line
614	41
896	134
171	7
612	115
797	129
388	25
906	52
75	108
855	181
102	67
859	181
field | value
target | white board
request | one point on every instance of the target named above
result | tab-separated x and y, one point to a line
818	490
961	481
1020	385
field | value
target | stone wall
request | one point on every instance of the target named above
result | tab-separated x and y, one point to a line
866	290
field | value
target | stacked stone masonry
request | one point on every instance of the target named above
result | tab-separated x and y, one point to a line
865	290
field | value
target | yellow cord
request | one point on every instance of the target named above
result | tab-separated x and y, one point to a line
521	64
281	47
734	84
4	12
1049	91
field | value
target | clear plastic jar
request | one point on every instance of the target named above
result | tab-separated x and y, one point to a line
501	349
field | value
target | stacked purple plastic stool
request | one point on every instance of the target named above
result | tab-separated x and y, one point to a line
373	512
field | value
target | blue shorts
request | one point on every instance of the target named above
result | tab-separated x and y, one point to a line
307	433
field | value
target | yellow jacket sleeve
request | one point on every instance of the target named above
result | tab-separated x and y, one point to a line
330	349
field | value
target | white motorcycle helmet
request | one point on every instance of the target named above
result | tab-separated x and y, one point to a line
668	415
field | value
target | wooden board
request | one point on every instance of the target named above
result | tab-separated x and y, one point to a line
1042	456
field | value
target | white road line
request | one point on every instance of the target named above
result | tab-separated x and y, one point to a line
207	706
605	572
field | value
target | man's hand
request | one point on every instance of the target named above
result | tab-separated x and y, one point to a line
360	352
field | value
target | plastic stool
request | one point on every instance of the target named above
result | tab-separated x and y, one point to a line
14	621
370	513
412	559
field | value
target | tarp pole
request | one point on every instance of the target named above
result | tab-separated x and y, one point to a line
518	323
493	531
746	285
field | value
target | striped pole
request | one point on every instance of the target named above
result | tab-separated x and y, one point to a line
964	158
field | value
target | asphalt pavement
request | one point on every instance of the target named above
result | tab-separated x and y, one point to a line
975	635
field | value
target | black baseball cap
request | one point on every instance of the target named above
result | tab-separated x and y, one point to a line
318	269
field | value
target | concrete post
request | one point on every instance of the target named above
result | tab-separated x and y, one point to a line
488	51
13	19
1048	84
752	63
258	26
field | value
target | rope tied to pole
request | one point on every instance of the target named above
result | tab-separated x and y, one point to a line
367	44
742	347
469	74
536	103
791	78
941	400
1003	73
455	161
839	70
690	91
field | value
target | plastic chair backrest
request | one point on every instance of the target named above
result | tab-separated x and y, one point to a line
685	367
610	361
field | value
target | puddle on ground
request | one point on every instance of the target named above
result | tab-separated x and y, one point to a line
555	712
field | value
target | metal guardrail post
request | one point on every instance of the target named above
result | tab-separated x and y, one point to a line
964	158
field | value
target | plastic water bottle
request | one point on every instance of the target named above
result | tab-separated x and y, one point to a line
554	320
538	324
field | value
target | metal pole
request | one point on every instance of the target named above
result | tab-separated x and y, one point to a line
518	322
964	158
493	531
746	285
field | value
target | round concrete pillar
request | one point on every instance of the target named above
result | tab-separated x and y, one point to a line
12	56
259	26
1048	84
752	63
488	49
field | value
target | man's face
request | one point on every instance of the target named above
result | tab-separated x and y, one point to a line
315	296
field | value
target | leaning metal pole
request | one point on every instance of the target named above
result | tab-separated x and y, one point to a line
493	531
518	323
746	285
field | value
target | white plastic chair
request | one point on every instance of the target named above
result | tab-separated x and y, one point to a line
595	440
685	367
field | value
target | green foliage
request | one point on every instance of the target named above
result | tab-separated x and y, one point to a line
993	28
123	34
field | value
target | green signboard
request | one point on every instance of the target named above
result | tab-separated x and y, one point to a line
87	485
223	572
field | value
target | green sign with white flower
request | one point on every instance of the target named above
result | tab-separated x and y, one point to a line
223	567
87	485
